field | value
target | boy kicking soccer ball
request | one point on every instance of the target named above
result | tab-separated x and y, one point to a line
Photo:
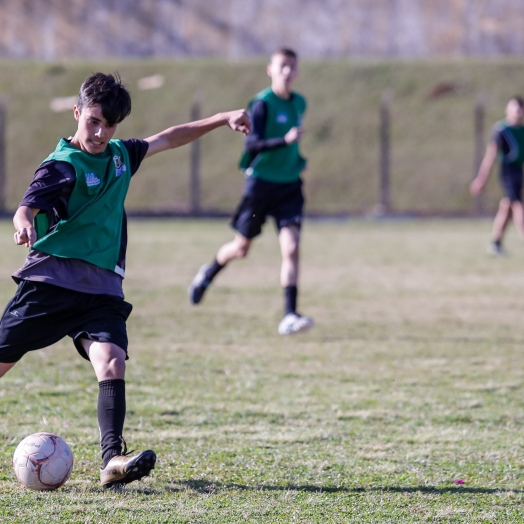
507	142
73	220
272	164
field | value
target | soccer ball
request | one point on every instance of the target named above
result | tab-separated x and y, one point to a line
43	461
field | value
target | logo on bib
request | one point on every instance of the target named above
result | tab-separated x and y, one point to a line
92	179
282	118
120	167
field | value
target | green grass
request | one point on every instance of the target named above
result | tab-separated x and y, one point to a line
411	379
432	140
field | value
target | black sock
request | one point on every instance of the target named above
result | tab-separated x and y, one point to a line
211	273
498	243
290	299
111	415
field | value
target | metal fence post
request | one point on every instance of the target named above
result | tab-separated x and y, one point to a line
480	111
196	110
3	161
384	197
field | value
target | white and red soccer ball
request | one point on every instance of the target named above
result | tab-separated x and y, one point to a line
43	461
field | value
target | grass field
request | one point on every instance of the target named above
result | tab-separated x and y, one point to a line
432	140
412	379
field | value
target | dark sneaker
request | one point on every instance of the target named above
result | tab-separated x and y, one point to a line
124	469
199	285
496	250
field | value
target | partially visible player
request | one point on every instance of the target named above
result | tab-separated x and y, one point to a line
507	142
73	220
273	165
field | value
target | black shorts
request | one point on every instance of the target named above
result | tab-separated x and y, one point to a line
512	186
284	202
41	314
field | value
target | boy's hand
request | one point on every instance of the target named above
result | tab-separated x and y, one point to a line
293	135
25	236
239	121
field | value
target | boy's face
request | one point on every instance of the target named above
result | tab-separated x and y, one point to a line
514	113
93	133
283	70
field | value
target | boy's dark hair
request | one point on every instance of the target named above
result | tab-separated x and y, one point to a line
108	92
285	51
519	100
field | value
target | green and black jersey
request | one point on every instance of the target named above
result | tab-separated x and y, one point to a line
93	228
62	191
510	143
273	117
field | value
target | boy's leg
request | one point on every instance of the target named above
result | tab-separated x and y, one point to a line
100	336
292	322
247	222
108	361
517	212
289	239
5	367
500	223
237	248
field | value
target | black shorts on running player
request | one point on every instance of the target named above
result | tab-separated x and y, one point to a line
512	184
41	314
284	202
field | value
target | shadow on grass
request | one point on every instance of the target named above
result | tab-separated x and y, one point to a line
208	487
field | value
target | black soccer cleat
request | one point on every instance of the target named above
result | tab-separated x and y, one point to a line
123	469
199	285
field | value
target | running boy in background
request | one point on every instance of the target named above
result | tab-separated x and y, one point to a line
73	220
507	142
272	164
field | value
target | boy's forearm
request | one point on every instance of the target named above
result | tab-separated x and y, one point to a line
485	169
184	134
483	174
487	162
24	217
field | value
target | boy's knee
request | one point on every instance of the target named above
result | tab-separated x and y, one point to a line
114	359
289	246
118	363
505	204
291	251
108	360
243	251
243	248
114	367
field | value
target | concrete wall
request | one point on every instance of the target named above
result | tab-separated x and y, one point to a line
58	29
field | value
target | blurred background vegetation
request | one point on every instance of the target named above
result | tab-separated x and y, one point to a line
432	127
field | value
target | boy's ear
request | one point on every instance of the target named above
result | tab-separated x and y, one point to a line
268	69
76	113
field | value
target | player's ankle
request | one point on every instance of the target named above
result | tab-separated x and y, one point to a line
213	270
109	454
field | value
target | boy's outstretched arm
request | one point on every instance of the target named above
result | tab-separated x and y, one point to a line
485	168
183	134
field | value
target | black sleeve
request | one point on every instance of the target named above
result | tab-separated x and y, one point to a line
137	150
53	181
497	136
255	142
